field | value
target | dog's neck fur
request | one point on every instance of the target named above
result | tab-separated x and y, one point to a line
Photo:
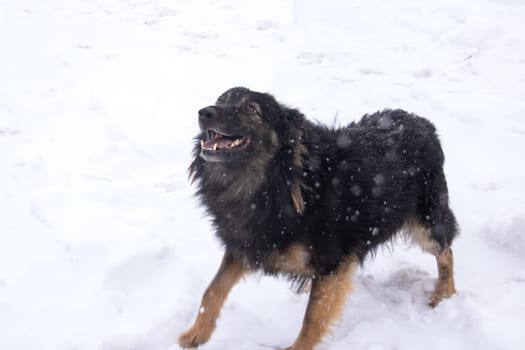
255	204
235	196
227	183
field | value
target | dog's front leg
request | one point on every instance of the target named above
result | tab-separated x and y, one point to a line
230	272
325	304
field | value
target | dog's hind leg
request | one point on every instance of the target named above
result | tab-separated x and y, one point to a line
434	228
430	240
230	272
445	284
327	298
441	223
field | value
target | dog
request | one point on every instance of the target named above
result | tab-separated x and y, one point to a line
298	199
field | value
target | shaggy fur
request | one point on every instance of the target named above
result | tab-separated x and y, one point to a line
299	199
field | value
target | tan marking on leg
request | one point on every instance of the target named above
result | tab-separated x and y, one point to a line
325	305
422	236
230	272
445	284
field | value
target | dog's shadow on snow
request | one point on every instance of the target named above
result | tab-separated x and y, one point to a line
406	286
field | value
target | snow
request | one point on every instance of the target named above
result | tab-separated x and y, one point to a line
102	245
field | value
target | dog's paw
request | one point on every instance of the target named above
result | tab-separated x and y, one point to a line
440	294
193	337
433	301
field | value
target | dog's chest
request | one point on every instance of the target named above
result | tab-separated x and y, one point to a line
294	261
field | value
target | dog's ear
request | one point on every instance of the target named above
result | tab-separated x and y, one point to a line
297	198
295	140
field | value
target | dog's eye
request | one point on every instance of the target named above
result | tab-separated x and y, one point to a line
250	108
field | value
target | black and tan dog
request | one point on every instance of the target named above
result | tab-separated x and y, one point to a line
294	198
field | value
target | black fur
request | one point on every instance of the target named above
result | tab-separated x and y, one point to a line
357	185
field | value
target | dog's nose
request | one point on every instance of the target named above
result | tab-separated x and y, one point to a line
208	113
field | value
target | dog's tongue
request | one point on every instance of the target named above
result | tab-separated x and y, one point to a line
221	143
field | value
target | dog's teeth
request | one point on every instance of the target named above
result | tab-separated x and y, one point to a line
214	146
202	144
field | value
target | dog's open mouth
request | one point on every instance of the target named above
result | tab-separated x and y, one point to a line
217	141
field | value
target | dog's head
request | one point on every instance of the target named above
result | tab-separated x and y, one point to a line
240	127
243	132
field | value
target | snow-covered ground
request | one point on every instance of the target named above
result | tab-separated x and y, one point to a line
102	245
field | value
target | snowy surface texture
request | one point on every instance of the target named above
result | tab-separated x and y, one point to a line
102	245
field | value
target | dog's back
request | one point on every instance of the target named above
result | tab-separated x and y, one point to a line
372	179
